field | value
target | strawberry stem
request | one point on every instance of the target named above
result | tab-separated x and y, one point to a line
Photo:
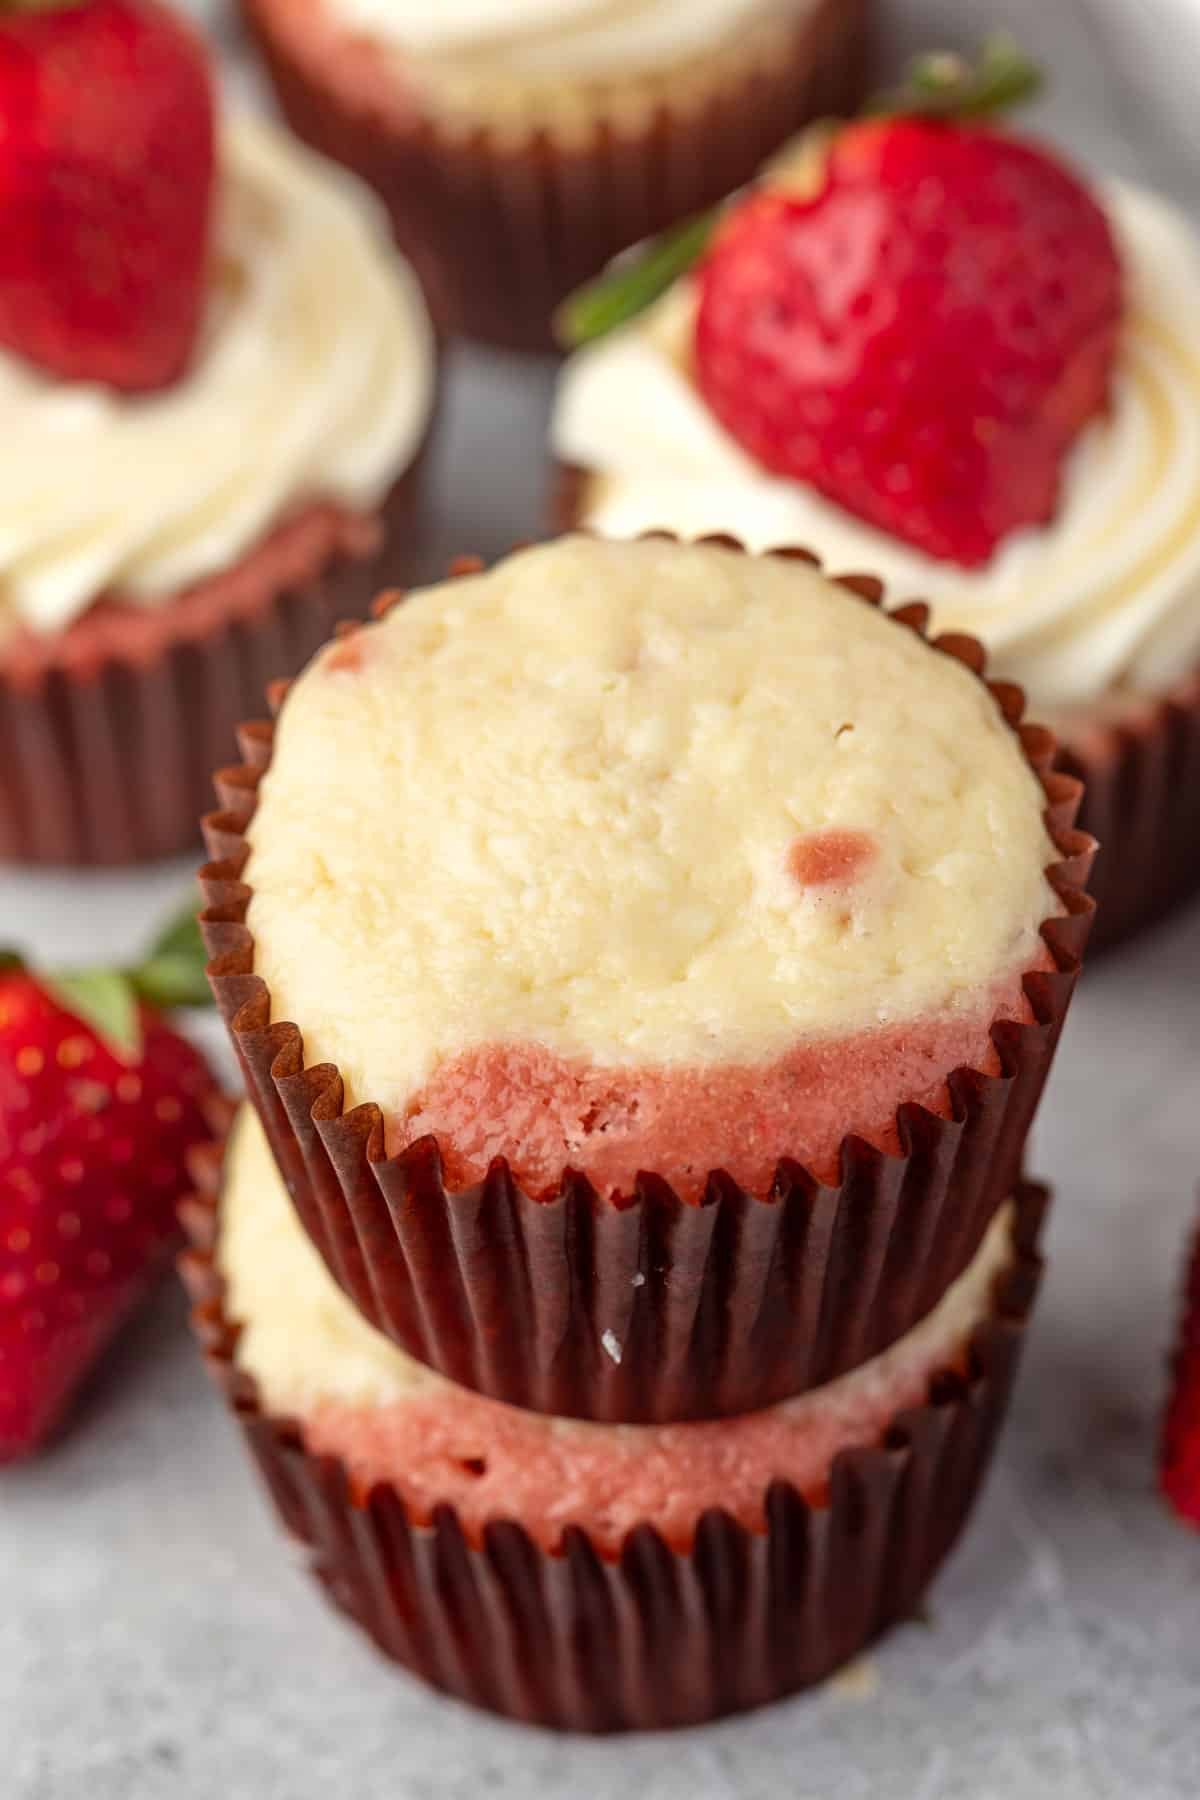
944	85
629	288
939	85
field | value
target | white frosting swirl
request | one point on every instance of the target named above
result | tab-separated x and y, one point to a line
537	39
313	380
1106	596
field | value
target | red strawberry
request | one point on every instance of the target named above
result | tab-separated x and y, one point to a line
924	338
1180	1466
94	1130
106	179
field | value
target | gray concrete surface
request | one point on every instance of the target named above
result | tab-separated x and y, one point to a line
157	1641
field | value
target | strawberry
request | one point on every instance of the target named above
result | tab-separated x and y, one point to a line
924	338
1179	1472
100	1101
106	183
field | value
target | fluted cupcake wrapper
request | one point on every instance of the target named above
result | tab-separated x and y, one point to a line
1141	777
659	1636
647	1308
111	763
503	231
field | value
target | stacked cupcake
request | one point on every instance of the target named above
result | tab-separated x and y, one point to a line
645	962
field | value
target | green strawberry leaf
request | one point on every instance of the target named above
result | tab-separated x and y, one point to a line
172	980
632	285
181	937
107	1000
943	85
173	973
104	1000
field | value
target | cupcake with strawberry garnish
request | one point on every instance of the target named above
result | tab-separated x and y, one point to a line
216	381
586	1576
925	346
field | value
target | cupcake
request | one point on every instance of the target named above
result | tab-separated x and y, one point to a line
533	1565
519	144
180	526
995	407
645	959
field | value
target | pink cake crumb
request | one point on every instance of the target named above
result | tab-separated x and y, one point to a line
831	858
447	1445
546	1113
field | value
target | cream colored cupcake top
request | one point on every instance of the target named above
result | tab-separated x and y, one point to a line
641	807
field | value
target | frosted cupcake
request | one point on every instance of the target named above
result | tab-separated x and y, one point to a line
1087	589
519	144
390	1474
677	945
163	555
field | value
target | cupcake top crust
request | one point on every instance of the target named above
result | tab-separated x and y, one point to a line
644	855
391	1419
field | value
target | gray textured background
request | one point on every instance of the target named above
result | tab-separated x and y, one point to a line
157	1641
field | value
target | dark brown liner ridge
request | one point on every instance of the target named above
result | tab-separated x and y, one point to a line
657	1637
717	1308
114	765
1141	779
502	234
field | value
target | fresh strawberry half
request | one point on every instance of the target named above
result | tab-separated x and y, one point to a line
1180	1467
106	182
922	340
100	1102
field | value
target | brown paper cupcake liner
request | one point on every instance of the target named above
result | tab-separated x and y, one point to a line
502	232
111	763
652	1308
1141	779
659	1636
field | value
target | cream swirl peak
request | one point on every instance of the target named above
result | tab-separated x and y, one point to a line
544	39
313	381
1107	595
